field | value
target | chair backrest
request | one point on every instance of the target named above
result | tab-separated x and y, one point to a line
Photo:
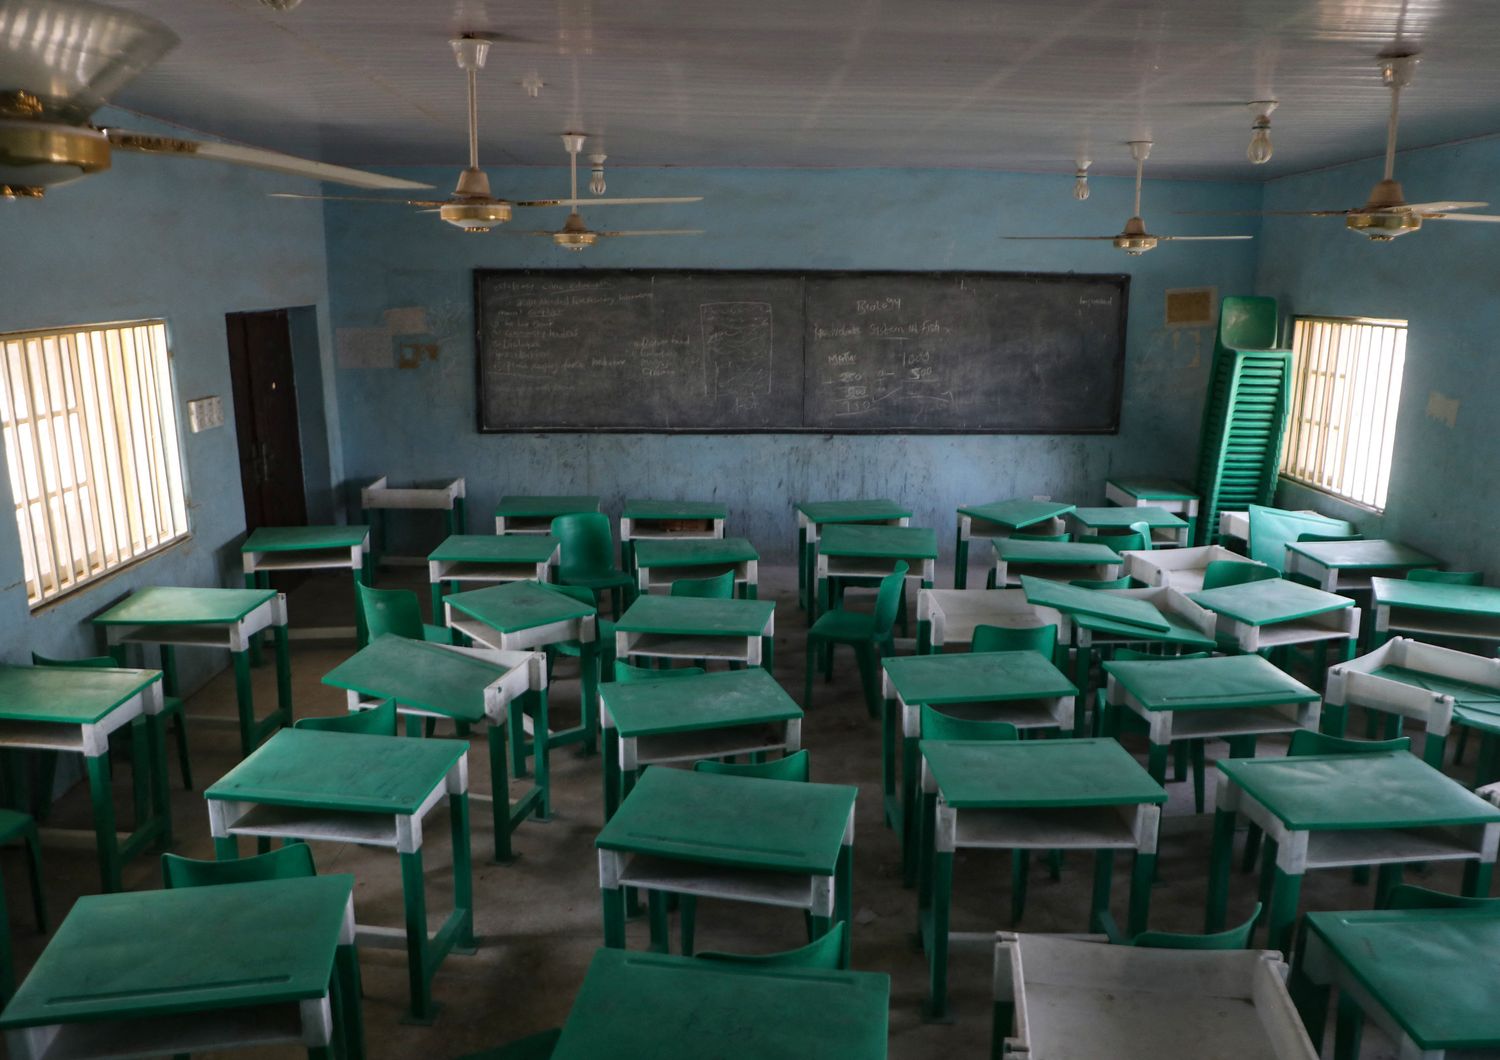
1122	582
1144	530
794	767
290	862
581	593
1410	896
1041	537
1308	742
1136	655
1272	529
587	546
826	952
1222	572
1135	541
391	611
1330	537
1247	322
92	662
377	721
1446	577
888	599
626	673
719	587
1236	938
1042	639
936	726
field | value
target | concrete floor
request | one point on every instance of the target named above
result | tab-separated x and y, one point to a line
538	919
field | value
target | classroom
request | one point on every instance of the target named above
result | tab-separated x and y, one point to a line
513	502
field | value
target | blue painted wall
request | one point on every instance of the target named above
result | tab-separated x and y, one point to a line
419	423
188	242
1444	492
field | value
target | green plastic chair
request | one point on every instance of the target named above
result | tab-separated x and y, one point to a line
1122	582
1236	938
1224	572
377	721
532	1047
1410	896
1138	539
17	825
625	673
1041	537
867	632
588	555
1446	577
719	587
397	611
827	953
1040	639
171	708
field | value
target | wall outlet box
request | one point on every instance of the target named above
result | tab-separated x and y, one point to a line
205	413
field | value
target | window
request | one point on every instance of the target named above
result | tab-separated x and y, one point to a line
92	446
1341	426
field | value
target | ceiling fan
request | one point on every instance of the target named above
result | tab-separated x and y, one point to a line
1134	239
471	207
60	61
574	234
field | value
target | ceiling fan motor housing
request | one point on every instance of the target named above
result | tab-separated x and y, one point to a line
36	155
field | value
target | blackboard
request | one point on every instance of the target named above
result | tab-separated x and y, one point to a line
749	351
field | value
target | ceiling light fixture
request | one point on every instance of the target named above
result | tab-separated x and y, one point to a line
282	5
1081	179
596	175
1259	151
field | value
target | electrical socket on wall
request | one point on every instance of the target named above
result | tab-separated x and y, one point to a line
205	413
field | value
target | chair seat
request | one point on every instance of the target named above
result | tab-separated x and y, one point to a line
13	823
606	641
596	580
844	626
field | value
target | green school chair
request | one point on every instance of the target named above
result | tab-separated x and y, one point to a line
1224	572
1122	582
1447	577
377	721
796	767
397	611
625	673
1235	938
826	953
17	825
867	632
171	709
1041	537
588	556
1138	539
1410	896
1040	639
538	1046
719	587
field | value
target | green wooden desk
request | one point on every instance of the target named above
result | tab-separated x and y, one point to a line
1059	560
1149	492
1167	530
1179	568
1431	609
489	559
682	627
765	842
1331	811
371	791
518	514
77	710
812	516
848	550
661	561
946	618
195	969
474	686
380	497
1031	795
1230	697
1264	615
645	520
521	616
1348	566
1425	976
1001	519
677	1008
684	719
172	617
274	548
1019	687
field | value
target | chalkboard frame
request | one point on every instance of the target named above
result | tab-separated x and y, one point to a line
1118	279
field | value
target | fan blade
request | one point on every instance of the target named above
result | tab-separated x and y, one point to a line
657	232
1106	238
1484	218
1200	239
1262	213
522	232
424	203
1443	207
611	202
275	161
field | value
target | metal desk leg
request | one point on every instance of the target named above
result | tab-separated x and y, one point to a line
1141	874
1286	892
244	695
414	894
589	659
283	677
104	821
1219	863
351	1007
960	560
542	747
942	893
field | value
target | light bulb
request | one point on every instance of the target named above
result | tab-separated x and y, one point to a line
596	176
1081	180
1259	151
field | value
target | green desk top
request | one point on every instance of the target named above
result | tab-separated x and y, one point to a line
1120	518
1176	633
340	771
694	616
1267	602
68	696
869	511
1433	970
1479	600
149	954
1226	683
677	1008
495	548
1155	489
418	675
745	822
515	606
304	538
1038	773
1017	514
706	701
160	605
692	551
1356	555
878	542
1394	789
520	506
971	677
1055	553
1074	601
674	510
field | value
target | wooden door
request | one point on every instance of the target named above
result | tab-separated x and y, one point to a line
265	418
